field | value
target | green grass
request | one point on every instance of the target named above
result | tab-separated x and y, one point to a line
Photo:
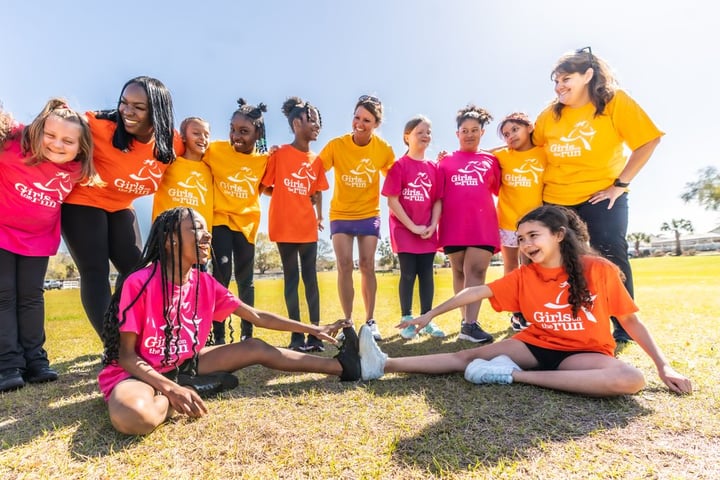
277	425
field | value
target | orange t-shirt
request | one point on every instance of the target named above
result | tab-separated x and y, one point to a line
295	176
128	175
541	294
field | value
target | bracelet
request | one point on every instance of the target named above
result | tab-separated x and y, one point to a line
621	184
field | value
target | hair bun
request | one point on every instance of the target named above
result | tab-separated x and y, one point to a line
241	101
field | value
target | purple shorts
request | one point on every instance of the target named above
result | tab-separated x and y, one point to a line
355	228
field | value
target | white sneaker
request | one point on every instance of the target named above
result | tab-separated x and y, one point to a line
497	370
372	325
372	359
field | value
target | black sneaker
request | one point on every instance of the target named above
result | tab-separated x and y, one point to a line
11	379
40	374
349	356
297	342
518	322
314	344
209	384
473	333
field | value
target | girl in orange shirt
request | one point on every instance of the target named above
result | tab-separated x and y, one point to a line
297	178
567	294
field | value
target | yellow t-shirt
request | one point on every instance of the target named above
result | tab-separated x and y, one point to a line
357	176
521	184
584	152
236	180
185	183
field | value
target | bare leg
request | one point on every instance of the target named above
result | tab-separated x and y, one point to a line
366	247
135	409
343	246
457	261
475	267
234	356
510	259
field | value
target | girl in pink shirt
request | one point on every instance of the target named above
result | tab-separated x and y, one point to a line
39	165
160	318
411	190
468	230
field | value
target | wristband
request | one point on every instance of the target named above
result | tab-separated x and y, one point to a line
618	183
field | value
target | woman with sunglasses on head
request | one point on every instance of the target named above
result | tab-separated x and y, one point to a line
358	158
584	132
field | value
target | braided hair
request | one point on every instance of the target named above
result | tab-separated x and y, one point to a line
254	115
295	107
162	253
573	247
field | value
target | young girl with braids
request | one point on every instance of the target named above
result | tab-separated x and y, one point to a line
158	323
468	230
133	145
237	167
296	178
39	165
567	294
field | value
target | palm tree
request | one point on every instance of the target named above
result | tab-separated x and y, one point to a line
637	238
676	225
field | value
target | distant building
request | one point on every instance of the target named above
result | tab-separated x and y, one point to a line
688	241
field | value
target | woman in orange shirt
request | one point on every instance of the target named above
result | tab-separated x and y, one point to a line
567	295
133	145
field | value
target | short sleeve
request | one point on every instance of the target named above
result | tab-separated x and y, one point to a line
506	292
268	178
631	122
393	181
327	156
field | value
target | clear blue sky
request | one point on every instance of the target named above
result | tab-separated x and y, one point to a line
418	56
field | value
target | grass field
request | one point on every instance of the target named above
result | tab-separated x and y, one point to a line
277	425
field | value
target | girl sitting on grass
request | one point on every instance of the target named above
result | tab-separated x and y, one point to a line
158	323
567	294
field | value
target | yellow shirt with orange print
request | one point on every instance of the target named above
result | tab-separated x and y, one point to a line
236	187
185	183
356	195
585	153
521	184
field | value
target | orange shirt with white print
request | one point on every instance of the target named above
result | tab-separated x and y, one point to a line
185	183
521	184
128	174
357	176
585	153
295	176
541	294
236	187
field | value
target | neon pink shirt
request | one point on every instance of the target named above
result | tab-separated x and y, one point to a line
467	182
414	182
30	199
146	319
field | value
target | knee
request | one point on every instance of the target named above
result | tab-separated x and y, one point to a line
138	417
345	265
627	380
367	266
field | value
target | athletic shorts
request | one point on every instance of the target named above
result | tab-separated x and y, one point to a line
458	248
549	359
355	228
508	238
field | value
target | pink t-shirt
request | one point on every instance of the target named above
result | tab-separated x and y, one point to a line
414	182
146	319
467	182
30	199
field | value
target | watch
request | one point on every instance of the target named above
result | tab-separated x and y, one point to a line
618	183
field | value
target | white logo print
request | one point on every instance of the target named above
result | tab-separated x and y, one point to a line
241	185
581	132
362	174
149	173
180	335
419	189
49	194
531	166
562	321
301	180
192	192
472	174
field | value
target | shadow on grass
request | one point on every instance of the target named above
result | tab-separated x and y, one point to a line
72	402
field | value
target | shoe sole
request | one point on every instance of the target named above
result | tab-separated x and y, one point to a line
468	338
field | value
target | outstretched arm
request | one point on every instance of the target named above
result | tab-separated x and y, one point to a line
464	297
276	322
637	330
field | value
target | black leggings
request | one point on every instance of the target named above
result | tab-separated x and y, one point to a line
420	265
94	237
22	311
308	260
231	248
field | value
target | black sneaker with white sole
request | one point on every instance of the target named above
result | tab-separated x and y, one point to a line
209	384
473	333
349	356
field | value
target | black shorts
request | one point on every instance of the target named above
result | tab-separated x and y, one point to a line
458	248
549	359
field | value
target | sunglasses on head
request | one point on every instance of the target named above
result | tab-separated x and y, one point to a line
369	98
587	50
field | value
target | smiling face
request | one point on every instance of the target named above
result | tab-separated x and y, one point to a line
194	232
307	128
197	138
60	140
517	135
135	112
572	88
364	124
243	134
469	135
539	244
419	137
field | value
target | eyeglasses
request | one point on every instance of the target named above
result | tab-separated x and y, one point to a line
587	50
369	98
